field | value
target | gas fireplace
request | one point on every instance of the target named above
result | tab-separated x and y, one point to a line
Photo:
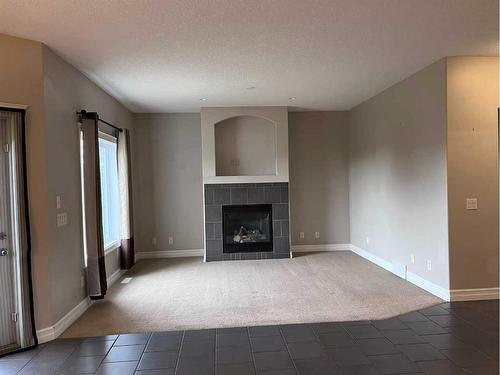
247	228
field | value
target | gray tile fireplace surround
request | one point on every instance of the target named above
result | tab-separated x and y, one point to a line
218	195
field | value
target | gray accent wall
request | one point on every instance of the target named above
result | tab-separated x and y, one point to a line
397	174
168	185
319	191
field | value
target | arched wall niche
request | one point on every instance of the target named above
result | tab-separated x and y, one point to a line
245	146
268	120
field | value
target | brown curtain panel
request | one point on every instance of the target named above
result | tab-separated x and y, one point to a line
93	236
125	188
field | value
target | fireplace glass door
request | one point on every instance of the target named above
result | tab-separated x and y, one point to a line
247	228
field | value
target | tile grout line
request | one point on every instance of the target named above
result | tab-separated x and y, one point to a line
143	351
179	354
45	347
251	351
105	354
215	351
288	350
26	364
102	360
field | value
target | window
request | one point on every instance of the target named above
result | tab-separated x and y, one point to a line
109	190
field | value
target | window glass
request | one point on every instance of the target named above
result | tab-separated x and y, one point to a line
109	190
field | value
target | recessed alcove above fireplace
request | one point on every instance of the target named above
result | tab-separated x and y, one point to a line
245	146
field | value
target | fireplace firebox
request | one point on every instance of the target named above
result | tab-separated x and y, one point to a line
247	228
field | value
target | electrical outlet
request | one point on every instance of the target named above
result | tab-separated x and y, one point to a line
429	265
316	234
301	235
154	241
170	240
82	282
412	258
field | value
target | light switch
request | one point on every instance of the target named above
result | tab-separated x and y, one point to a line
62	219
471	204
58	201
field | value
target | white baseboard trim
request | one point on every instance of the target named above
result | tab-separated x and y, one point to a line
432	288
419	281
115	276
474	294
326	247
168	254
53	332
438	291
372	258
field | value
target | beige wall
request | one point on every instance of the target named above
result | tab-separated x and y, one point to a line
33	75
245	146
473	171
319	193
66	91
21	83
397	174
168	181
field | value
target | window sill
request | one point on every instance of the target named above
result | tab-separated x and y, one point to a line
112	247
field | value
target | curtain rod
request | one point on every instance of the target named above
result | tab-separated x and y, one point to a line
94	116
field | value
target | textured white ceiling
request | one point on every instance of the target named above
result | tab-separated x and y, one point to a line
163	55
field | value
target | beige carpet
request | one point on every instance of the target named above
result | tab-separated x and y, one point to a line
172	294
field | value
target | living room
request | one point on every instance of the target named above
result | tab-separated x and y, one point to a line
283	185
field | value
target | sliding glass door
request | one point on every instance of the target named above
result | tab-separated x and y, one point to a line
16	308
9	337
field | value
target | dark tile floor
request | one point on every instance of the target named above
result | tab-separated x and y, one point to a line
452	338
